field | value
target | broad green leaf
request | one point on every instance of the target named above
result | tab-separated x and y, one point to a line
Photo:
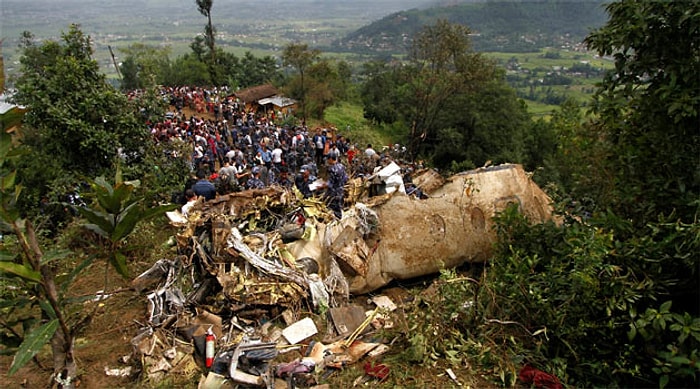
118	199
126	222
15	302
107	196
18	190
159	210
136	215
96	229
102	220
101	185
46	307
8	120
8	213
665	307
20	270
681	360
122	191
32	344
632	333
118	260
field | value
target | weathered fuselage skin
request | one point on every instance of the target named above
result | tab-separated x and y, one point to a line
452	227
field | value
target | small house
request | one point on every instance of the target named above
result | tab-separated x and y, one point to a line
265	98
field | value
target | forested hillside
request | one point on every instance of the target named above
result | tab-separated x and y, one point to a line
496	26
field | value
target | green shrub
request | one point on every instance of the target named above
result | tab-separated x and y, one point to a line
575	292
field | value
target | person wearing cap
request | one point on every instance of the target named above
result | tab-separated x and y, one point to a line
302	181
283	178
254	181
335	186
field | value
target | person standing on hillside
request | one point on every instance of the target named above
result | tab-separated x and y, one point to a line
335	186
369	151
277	154
319	141
254	181
227	177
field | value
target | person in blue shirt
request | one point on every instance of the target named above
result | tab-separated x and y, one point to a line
266	155
254	181
302	181
204	187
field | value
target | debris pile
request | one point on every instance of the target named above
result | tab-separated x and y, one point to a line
260	290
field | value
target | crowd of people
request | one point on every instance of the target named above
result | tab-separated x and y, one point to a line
234	149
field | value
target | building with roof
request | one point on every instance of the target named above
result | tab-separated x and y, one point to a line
265	98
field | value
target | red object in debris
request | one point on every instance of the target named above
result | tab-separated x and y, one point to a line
540	379
378	370
209	349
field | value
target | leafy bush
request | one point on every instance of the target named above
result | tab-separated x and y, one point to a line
575	292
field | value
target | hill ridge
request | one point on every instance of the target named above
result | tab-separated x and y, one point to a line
496	25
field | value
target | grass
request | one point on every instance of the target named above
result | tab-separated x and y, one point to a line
349	120
540	110
537	59
580	90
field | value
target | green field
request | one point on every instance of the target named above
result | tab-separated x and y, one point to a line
533	68
566	58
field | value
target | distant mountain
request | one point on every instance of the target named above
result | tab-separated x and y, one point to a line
507	26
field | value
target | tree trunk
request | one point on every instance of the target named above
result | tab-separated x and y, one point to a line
64	368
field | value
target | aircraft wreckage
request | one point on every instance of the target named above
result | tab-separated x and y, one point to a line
379	239
247	258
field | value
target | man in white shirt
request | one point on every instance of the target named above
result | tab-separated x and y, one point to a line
276	154
191	199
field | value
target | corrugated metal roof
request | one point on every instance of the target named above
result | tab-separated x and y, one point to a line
278	101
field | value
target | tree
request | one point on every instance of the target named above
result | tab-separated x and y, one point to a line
204	7
77	124
648	108
453	103
378	97
630	235
256	71
324	86
143	66
301	57
187	70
